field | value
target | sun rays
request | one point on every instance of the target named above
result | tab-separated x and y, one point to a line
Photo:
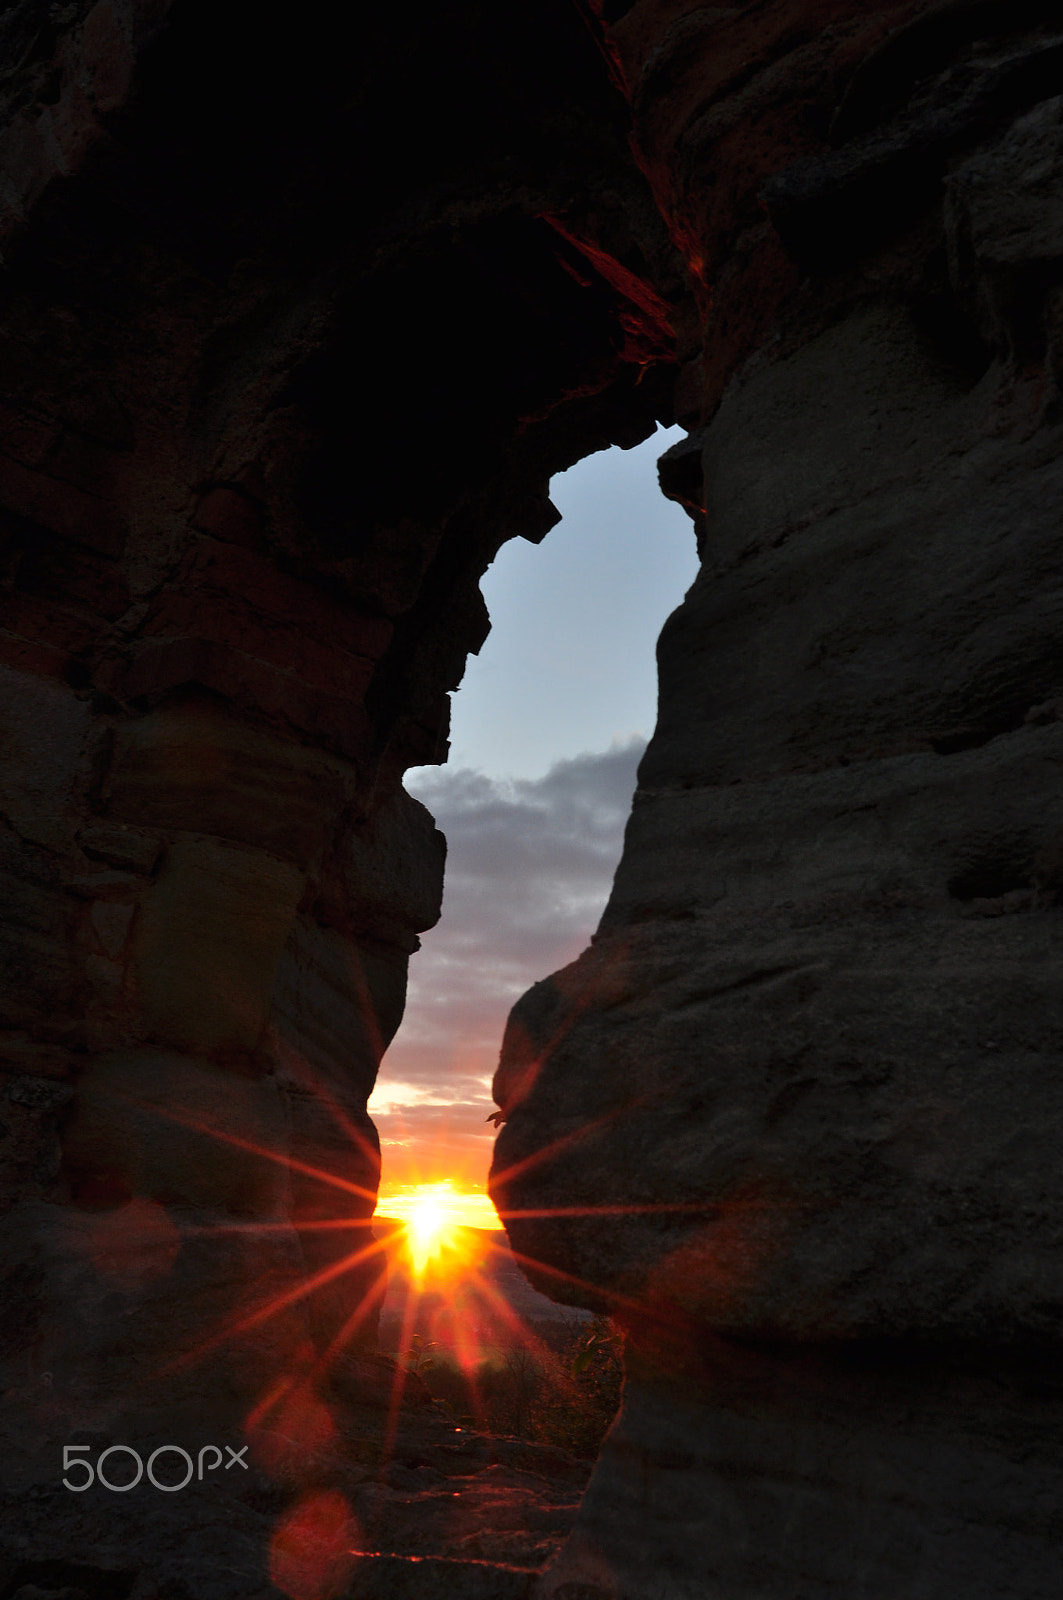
441	1235
428	1231
430	1220
454	1204
297	1334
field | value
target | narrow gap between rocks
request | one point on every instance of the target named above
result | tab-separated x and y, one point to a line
546	735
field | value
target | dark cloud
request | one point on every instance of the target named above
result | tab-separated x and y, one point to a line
529	866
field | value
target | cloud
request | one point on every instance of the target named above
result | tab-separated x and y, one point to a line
530	864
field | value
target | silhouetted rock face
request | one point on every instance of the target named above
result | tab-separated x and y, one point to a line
814	1048
292	339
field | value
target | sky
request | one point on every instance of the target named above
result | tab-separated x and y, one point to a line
546	734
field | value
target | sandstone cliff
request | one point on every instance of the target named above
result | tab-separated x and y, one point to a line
809	1069
291	339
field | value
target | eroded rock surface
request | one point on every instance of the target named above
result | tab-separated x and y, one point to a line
293	335
808	1073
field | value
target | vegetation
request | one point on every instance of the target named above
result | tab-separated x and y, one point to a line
419	1356
560	1387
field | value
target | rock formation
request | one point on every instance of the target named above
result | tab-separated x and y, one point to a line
293	336
291	339
809	1067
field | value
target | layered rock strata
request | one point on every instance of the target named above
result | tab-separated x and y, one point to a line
794	1116
290	341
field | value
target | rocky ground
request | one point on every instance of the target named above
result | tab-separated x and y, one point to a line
453	1492
421	1508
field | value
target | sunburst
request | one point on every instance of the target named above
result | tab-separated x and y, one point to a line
436	1217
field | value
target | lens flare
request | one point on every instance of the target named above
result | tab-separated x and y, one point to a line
310	1552
436	1218
427	1228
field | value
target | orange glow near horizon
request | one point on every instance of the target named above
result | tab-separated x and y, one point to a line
435	1216
440	1243
460	1207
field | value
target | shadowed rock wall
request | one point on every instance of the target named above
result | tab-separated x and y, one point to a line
794	1116
291	340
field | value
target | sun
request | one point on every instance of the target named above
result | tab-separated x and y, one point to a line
436	1218
429	1230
